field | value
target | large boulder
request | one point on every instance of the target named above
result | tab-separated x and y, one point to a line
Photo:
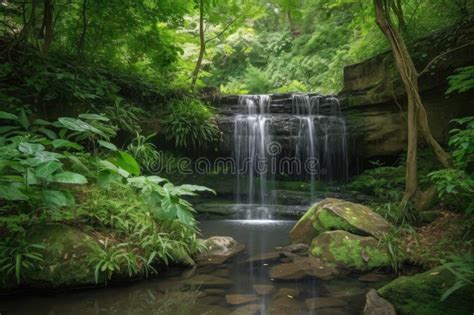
65	257
421	294
303	231
347	251
334	214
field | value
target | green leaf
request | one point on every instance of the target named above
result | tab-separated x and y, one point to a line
12	192
23	120
107	145
49	133
8	116
79	125
94	117
47	169
30	148
69	178
112	167
57	198
59	143
127	162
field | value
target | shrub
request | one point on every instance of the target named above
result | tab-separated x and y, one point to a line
190	124
455	188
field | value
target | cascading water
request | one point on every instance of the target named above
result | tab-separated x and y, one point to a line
308	129
251	141
321	140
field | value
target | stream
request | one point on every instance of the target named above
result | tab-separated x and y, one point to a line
174	291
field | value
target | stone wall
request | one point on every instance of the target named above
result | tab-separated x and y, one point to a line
374	101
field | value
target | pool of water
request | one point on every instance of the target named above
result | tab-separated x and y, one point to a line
174	292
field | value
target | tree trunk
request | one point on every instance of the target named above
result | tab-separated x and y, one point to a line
416	110
203	45
408	74
47	27
82	37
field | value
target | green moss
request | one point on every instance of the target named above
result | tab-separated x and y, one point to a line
326	220
420	294
65	256
350	251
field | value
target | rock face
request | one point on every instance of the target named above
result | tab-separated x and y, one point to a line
302	267
65	257
420	294
335	214
349	251
377	121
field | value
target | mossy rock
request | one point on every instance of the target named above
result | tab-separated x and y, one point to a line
420	294
333	214
303	231
348	251
65	256
351	217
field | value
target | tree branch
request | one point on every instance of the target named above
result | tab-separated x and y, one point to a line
222	32
435	59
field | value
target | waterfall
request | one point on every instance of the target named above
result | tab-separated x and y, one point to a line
306	128
321	137
252	136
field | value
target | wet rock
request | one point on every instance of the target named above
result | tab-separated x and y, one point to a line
303	267
201	308
375	305
332	311
265	257
373	277
303	231
249	309
263	289
189	272
317	303
285	305
288	292
221	248
296	248
347	251
210	299
204	280
237	299
211	291
406	294
221	273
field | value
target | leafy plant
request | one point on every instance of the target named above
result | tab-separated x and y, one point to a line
462	142
462	81
125	115
191	125
17	255
143	150
462	267
455	188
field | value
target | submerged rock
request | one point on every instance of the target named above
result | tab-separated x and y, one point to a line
373	277
249	309
347	251
237	299
204	280
65	257
264	289
220	248
317	303
375	305
335	214
302	267
421	294
285	305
